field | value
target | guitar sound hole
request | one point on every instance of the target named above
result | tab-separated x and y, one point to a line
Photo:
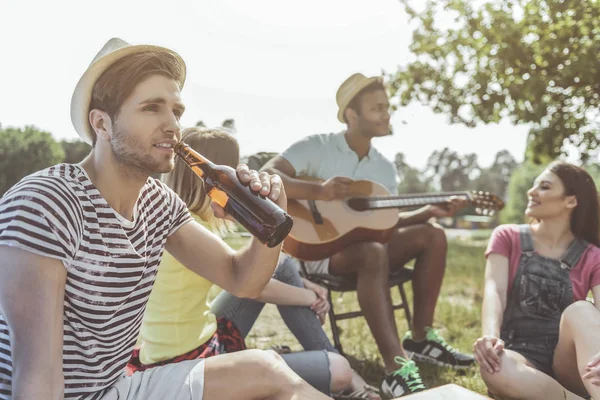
358	203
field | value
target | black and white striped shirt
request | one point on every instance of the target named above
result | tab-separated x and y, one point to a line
111	264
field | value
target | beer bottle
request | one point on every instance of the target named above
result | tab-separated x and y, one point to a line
260	216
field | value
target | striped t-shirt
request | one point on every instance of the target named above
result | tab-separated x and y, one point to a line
111	264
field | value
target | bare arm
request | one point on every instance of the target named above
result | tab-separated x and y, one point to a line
423	214
414	217
282	294
294	188
337	187
495	293
32	290
596	293
487	349
243	273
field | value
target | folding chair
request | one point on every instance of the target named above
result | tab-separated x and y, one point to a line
335	283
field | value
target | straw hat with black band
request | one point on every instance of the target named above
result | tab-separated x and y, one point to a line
113	50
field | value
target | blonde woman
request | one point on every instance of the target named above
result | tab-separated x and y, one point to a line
178	323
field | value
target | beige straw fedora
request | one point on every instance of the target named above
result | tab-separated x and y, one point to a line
349	89
112	51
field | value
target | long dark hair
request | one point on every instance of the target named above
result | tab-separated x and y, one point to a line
585	221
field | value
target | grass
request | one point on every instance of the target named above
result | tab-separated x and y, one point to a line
457	318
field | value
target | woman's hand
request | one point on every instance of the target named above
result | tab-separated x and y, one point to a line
321	306
487	350
593	370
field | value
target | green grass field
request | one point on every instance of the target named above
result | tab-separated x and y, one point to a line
457	317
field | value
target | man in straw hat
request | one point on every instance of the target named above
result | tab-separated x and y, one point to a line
80	246
340	158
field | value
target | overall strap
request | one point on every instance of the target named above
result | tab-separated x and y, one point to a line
574	253
526	239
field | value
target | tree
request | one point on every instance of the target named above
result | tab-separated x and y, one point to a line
531	61
411	179
75	151
594	171
257	160
520	182
229	125
450	171
495	179
25	151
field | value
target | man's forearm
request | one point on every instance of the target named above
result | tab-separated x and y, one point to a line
32	385
415	217
297	188
37	373
253	267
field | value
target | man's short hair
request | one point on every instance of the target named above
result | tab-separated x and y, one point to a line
355	102
117	83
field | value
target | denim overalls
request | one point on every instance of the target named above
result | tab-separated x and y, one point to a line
540	293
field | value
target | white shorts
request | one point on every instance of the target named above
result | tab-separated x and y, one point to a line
312	267
180	381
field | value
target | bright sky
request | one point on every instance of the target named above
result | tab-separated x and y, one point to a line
272	65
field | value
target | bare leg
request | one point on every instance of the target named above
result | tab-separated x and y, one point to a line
369	262
578	342
254	374
427	244
341	373
518	379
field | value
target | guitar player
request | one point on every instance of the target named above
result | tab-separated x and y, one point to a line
340	158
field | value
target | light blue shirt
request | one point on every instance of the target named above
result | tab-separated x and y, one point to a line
327	155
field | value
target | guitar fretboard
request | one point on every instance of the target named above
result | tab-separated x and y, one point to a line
376	203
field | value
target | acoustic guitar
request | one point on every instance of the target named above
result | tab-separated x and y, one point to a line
369	213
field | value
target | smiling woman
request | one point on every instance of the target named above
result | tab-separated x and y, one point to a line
535	345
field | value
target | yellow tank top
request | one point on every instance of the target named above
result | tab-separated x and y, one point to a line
177	317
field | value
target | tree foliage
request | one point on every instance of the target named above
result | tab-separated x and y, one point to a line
495	179
530	61
450	171
75	151
24	151
520	182
411	179
257	160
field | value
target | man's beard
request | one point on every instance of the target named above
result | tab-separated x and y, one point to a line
371	130
133	162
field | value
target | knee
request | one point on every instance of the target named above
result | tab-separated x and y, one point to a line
372	256
341	373
580	313
267	362
496	383
436	235
288	272
427	236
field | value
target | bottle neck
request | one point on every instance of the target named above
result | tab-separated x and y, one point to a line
193	158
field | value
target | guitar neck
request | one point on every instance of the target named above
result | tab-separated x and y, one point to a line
403	201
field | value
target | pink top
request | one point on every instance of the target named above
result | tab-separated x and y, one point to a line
585	275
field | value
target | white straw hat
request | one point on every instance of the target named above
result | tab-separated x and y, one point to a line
113	50
349	89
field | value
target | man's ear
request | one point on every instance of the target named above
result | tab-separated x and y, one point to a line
350	114
101	124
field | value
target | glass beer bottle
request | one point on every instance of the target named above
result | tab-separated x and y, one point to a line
260	216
